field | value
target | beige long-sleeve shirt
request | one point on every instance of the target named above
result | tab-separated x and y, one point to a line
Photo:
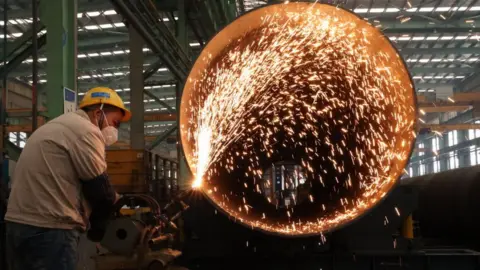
46	186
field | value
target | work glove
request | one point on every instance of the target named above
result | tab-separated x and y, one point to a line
99	221
98	226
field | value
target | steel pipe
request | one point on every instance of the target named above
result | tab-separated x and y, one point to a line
297	118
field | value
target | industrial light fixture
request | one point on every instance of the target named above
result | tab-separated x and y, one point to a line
434	38
414	9
438	77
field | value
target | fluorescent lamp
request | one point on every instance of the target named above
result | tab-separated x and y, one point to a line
360	10
93	13
109	12
390	10
426	9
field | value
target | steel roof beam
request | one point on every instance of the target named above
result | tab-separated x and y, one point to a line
155	46
124	83
91	6
428	30
434	51
456	70
85	64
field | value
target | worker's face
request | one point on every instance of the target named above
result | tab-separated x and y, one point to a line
110	117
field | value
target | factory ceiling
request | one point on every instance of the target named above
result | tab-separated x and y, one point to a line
438	40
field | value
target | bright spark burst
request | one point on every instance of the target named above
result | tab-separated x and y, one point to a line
305	82
204	138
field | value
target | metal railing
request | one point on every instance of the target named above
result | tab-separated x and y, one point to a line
162	176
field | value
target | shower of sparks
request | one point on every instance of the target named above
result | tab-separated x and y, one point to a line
204	138
328	83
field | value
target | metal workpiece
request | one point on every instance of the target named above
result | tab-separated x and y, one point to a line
291	141
140	228
123	235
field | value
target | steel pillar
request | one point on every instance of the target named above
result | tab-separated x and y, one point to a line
463	153
137	135
60	18
181	31
3	107
231	10
184	174
444	159
34	65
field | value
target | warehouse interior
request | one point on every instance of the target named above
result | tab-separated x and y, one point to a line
54	51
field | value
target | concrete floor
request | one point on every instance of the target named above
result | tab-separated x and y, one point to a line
86	251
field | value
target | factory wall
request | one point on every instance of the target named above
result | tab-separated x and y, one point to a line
440	152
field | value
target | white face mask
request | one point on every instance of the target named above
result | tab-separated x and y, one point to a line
110	134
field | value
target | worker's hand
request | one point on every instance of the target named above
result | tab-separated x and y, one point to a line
117	197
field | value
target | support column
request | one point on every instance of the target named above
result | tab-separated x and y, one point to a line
463	154
415	169
429	166
444	158
181	31
137	134
60	19
184	176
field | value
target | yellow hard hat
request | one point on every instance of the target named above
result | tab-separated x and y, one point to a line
105	95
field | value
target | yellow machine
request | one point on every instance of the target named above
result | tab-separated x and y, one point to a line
140	171
141	232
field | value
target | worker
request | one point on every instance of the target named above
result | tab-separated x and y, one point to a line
59	179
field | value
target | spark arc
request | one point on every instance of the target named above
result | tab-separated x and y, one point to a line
297	118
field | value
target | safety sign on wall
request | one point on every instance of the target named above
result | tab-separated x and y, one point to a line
69	100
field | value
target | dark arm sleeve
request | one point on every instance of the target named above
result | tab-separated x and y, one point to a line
88	156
